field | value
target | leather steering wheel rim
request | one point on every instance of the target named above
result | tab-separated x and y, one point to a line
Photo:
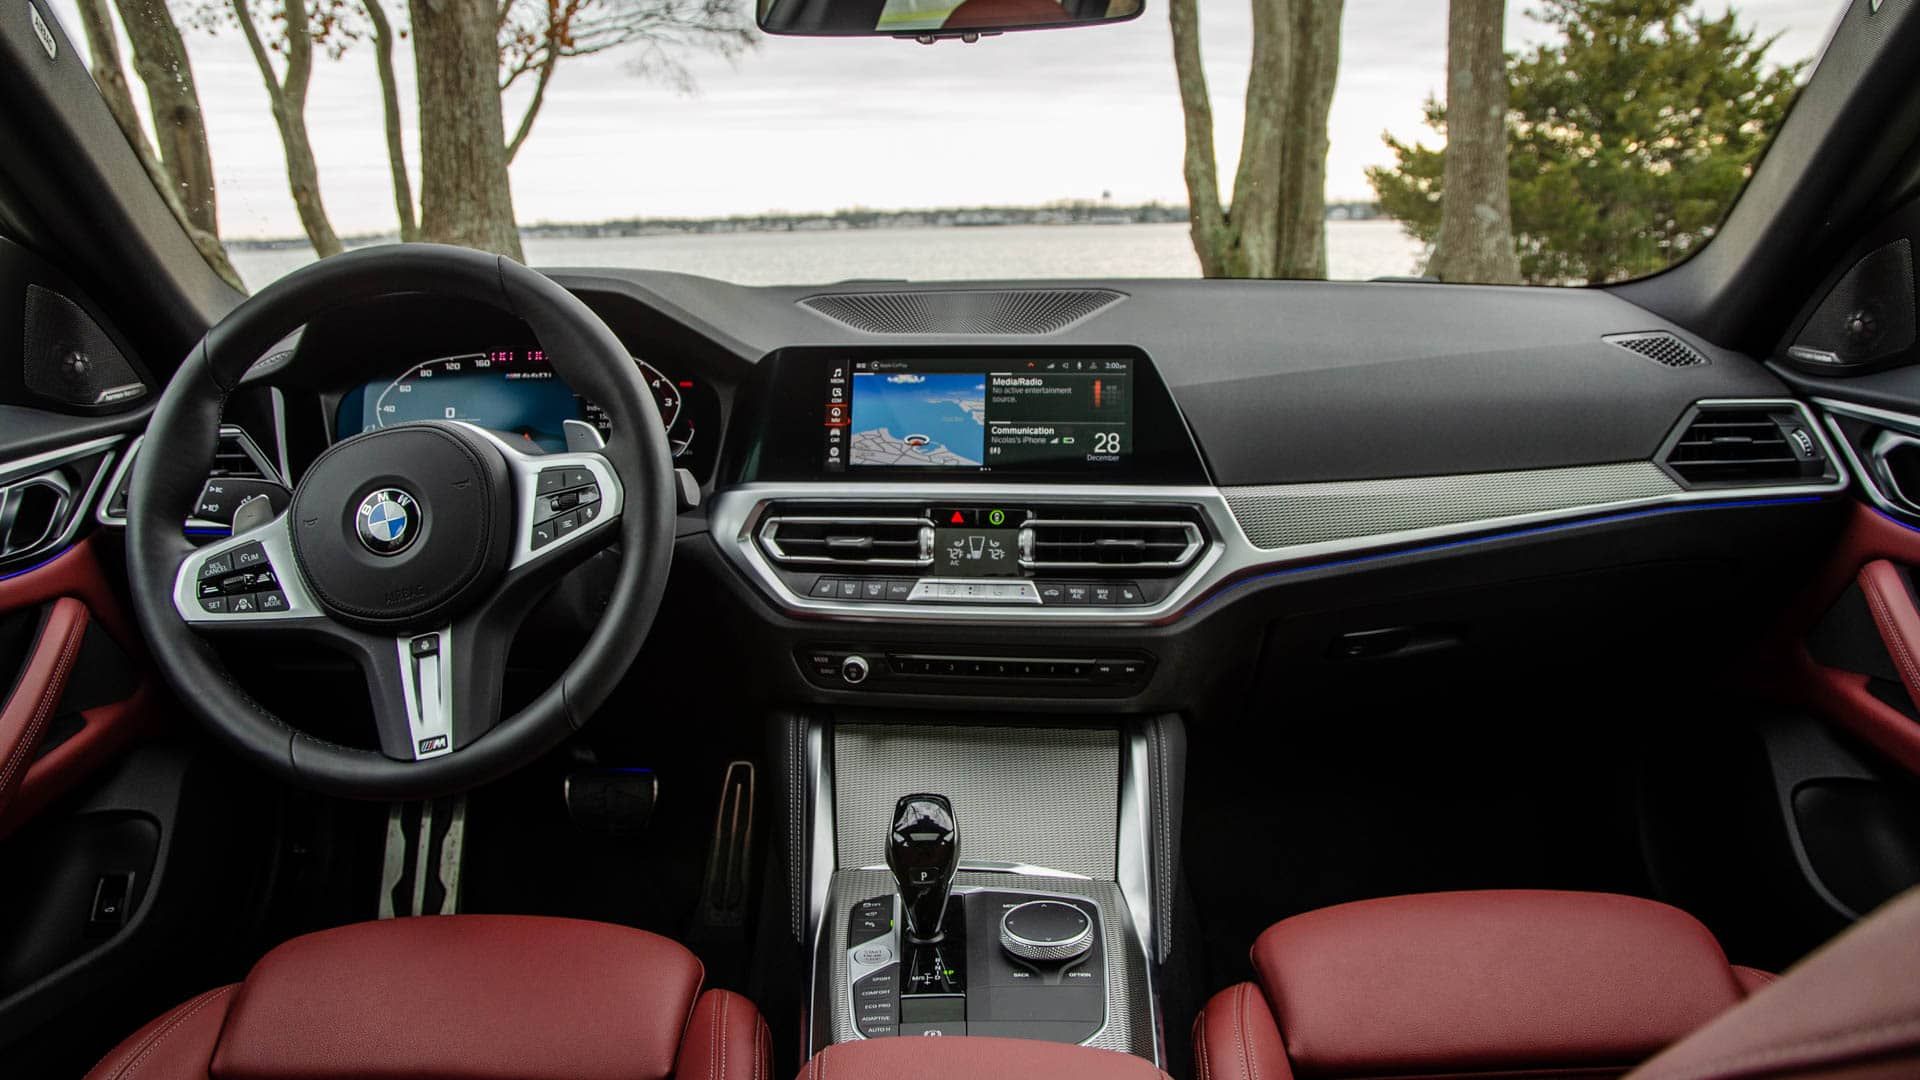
178	450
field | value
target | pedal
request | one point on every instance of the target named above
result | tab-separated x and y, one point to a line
724	892
425	848
614	802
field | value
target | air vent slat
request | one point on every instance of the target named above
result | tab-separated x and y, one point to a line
880	539
1745	445
1054	544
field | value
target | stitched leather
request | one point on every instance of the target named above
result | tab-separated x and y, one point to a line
472	997
35	695
726	1040
969	1058
1473	982
177	1045
1852	1010
1234	1038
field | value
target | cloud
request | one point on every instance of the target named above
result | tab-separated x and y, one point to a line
906	380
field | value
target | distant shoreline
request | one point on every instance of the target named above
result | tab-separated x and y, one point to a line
840	220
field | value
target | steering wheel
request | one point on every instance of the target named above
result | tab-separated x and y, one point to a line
417	549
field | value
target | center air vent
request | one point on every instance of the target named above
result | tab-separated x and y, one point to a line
1741	445
848	539
1062	543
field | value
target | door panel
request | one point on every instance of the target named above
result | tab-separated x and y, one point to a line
94	704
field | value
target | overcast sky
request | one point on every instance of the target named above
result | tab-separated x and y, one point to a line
813	125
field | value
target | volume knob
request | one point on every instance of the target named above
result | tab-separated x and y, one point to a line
1046	931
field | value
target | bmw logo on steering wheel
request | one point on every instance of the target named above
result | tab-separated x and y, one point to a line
388	521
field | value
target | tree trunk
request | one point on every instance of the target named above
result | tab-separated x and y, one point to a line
288	97
465	193
1475	242
1276	226
390	107
103	47
160	59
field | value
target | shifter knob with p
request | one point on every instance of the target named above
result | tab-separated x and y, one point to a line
923	851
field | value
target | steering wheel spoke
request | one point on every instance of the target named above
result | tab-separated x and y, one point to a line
249	581
565	504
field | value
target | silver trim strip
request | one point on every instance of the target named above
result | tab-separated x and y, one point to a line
34	463
736	513
426	686
227	431
1900	422
1134	864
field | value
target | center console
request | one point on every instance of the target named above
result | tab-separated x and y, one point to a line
982	878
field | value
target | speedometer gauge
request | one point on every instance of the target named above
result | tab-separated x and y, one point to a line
509	391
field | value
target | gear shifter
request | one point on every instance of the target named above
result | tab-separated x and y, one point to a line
923	850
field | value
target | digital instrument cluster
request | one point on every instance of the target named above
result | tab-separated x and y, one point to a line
516	392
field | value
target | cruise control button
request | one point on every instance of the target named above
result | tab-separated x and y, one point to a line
271	600
249	557
214	604
242	605
216	566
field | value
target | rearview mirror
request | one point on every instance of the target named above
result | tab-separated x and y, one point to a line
932	20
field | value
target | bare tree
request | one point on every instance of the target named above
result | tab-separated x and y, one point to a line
180	128
535	35
298	29
103	47
1276	225
1476	217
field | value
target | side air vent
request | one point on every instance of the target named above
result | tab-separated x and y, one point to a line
963	311
1660	347
848	540
1063	543
1720	445
236	457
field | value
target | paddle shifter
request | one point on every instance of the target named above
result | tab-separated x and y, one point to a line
923	851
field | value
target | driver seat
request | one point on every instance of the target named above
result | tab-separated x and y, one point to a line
458	997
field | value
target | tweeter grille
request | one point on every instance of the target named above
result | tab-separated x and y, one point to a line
963	311
1869	314
70	360
1660	347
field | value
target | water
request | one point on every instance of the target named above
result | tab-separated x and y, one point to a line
1356	250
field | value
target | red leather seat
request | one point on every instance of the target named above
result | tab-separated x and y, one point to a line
1469	984
458	997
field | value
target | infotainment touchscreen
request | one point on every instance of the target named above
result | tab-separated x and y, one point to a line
946	413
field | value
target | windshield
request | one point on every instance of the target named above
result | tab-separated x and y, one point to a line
1552	142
